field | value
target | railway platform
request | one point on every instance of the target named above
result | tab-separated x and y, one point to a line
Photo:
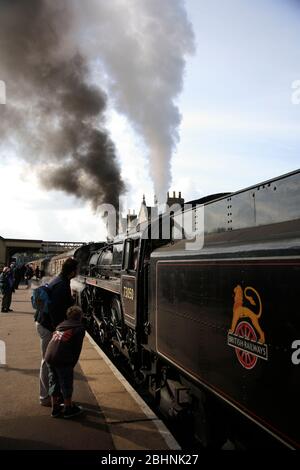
115	418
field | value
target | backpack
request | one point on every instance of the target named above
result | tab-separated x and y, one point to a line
41	301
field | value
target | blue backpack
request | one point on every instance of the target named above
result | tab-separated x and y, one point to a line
41	301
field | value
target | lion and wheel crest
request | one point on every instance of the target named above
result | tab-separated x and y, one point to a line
245	333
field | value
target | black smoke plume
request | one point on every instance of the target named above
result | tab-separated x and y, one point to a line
54	116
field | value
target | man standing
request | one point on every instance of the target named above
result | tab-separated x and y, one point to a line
6	286
28	275
61	299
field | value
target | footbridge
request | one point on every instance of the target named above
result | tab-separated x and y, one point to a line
9	247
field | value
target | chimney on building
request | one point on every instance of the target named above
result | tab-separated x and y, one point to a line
131	221
175	200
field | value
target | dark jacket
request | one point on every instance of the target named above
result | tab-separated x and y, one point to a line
61	300
66	343
28	272
5	286
6	282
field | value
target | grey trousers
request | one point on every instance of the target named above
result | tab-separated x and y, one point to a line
45	337
6	300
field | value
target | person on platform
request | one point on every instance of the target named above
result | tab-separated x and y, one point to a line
6	287
61	356
37	273
12	275
28	275
18	276
61	300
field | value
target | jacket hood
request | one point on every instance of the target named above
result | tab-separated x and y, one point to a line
68	324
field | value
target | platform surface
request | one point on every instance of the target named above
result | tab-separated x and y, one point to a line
114	417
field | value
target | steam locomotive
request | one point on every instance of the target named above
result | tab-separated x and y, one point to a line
209	321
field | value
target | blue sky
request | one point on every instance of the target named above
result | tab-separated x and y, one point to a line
239	125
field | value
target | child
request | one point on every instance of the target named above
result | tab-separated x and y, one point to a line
62	354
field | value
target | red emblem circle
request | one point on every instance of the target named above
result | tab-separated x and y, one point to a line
245	358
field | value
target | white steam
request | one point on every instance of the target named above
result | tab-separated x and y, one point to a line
141	45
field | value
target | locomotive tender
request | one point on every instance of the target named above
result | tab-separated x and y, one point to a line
213	328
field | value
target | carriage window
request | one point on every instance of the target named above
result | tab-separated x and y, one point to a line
127	252
131	253
135	255
117	253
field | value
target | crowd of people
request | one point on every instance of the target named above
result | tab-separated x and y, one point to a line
61	334
10	278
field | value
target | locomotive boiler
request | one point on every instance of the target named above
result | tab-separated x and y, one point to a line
209	321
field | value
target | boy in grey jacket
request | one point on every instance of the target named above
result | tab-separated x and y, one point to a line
62	354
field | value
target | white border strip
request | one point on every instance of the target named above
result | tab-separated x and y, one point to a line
163	430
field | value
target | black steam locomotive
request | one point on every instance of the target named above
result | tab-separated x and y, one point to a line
209	320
